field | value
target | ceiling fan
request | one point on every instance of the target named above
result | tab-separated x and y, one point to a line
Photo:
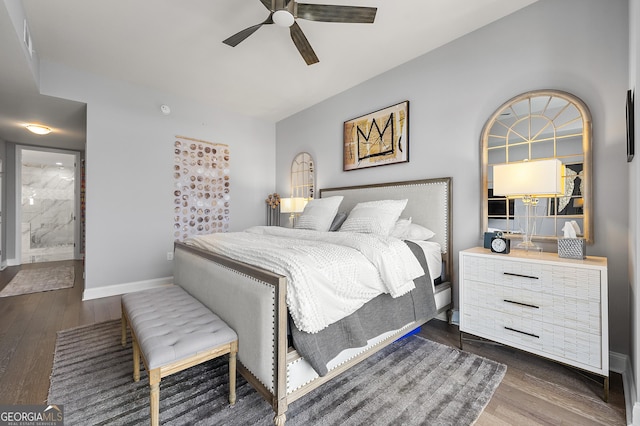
285	12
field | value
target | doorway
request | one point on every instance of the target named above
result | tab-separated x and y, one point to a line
48	210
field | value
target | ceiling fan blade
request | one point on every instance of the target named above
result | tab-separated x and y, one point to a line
266	3
331	13
235	39
303	45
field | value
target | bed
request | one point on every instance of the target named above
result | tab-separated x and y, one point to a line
252	300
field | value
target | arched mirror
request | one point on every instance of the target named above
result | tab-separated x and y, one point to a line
543	124
303	176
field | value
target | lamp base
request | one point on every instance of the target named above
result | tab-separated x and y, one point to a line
529	246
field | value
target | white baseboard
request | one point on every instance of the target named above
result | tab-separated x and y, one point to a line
620	363
117	289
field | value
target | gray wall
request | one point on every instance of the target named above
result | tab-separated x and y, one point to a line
129	172
579	46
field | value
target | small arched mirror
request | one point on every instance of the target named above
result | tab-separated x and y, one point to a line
303	176
543	124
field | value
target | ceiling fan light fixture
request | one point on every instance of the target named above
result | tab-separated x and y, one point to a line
283	18
38	129
285	13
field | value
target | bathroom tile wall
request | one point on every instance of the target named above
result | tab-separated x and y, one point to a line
47	212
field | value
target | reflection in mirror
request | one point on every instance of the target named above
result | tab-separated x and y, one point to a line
303	176
540	125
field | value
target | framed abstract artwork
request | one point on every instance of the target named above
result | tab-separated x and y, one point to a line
378	138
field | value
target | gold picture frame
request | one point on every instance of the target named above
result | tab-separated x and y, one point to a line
377	139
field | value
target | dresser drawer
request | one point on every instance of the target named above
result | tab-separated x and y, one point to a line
531	334
569	312
560	280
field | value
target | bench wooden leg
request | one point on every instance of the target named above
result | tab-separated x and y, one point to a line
136	361
154	397
124	329
232	372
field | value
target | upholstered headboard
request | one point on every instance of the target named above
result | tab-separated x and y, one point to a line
429	205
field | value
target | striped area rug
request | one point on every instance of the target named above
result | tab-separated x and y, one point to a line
412	382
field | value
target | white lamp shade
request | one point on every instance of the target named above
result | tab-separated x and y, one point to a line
292	205
539	178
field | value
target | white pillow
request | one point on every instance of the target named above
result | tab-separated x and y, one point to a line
400	228
418	232
319	213
405	230
374	217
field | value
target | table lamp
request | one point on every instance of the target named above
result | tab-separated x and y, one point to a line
293	206
529	180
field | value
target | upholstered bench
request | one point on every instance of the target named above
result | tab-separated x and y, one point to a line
173	331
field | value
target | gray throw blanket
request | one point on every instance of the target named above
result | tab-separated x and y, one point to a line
383	313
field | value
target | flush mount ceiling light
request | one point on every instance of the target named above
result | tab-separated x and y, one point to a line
38	129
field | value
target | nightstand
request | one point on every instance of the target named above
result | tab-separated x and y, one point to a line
540	303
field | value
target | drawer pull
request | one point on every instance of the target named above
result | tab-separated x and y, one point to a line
522	332
521	304
520	275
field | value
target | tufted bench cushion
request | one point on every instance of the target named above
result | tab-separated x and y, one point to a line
171	325
174	331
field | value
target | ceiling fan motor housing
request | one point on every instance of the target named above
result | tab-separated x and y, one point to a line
283	18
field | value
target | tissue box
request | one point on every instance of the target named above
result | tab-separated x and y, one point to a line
572	248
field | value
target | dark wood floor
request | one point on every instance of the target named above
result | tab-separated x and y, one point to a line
28	327
534	391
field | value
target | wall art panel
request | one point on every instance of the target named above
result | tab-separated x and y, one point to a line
202	187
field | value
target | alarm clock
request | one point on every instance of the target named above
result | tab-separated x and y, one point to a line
499	244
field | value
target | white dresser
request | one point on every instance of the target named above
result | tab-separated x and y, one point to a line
540	303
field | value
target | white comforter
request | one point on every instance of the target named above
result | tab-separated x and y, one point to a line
330	274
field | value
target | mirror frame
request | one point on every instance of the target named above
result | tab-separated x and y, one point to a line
586	152
303	176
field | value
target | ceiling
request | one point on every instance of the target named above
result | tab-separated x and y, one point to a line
176	47
21	103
